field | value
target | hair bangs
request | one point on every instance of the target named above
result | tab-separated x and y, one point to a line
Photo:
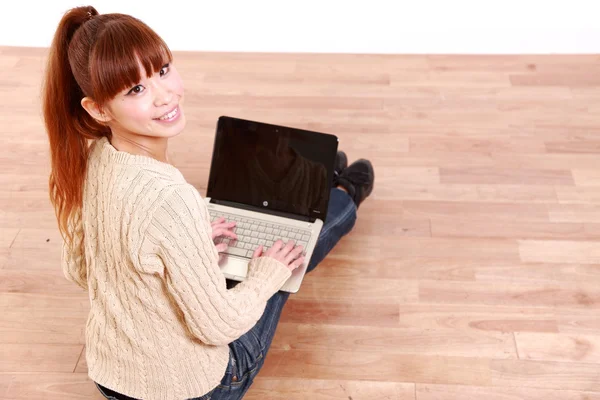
115	61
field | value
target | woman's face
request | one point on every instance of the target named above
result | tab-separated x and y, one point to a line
153	107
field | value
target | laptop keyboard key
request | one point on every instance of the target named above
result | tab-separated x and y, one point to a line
236	251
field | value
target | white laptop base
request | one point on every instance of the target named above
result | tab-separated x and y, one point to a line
256	228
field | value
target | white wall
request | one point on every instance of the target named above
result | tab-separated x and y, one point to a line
369	26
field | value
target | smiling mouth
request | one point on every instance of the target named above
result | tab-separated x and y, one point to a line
169	115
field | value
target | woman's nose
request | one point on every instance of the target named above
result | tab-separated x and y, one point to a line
163	95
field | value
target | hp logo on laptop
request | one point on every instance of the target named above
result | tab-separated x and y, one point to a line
265	203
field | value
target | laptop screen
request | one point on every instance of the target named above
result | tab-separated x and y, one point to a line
279	170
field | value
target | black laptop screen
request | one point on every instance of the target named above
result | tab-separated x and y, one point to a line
274	168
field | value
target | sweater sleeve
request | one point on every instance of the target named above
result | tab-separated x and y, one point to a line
179	239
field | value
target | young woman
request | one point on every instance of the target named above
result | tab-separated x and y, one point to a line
163	322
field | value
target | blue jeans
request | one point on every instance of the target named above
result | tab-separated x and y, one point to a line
247	354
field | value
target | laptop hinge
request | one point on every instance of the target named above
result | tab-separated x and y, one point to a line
263	210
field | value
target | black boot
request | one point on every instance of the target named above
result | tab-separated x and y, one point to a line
358	179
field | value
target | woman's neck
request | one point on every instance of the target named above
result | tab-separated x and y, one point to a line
142	146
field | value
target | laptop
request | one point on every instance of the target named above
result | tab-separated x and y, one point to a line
274	181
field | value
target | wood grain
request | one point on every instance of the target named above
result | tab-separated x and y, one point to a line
319	389
30	357
561	251
380	366
558	347
473	270
453	392
49	385
546	375
401	341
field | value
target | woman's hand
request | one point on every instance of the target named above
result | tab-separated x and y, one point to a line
222	228
290	255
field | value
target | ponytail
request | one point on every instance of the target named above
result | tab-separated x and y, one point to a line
68	125
93	56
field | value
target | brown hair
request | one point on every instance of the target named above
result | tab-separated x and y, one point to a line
94	56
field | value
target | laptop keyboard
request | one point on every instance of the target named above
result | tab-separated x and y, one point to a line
253	232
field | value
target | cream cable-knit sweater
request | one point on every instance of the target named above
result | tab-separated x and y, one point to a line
161	316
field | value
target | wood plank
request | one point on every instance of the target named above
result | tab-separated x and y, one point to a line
31	357
586	177
494	193
48	239
45	301
546	375
557	295
555	79
417	247
49	386
373	223
340	312
395	340
558	347
465	209
28	258
452	392
454	269
578	323
43	325
539	272
464	317
560	251
477	145
320	389
358	290
401	175
38	282
517	229
513	63
335	266
587	213
352	365
7	236
506	176
551	161
587	146
586	195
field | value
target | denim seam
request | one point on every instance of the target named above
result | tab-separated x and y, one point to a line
343	215
243	378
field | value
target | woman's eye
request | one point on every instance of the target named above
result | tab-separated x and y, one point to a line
164	70
136	89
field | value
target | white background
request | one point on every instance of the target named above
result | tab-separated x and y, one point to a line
370	26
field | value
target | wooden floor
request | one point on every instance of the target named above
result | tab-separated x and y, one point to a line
473	271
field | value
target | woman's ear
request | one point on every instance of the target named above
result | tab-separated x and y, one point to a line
95	110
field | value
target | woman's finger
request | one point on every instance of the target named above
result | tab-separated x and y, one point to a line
275	248
293	254
217	221
221	247
297	263
257	252
287	248
223	232
221	224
